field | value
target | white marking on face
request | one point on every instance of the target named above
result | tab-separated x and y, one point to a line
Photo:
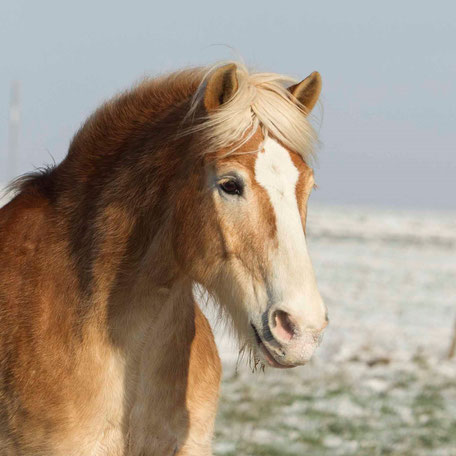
293	280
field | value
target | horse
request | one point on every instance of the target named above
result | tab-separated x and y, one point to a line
201	178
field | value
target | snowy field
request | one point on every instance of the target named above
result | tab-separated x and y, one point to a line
380	383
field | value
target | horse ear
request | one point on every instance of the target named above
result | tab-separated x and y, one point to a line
308	90
221	87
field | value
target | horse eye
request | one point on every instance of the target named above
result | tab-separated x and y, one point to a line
231	187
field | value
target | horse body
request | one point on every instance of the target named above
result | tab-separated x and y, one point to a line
103	349
68	387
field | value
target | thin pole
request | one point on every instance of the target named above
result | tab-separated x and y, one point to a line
452	350
13	131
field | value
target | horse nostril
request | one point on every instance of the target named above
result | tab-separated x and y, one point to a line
326	323
283	327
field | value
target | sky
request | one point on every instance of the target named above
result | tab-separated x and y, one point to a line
387	118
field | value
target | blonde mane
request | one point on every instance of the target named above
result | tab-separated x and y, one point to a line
261	101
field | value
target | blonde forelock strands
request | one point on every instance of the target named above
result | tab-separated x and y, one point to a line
261	101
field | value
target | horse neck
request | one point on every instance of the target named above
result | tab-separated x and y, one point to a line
112	208
117	225
136	287
162	312
135	279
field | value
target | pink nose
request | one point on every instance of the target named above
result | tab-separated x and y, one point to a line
284	327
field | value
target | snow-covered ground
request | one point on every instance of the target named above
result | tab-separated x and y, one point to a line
380	383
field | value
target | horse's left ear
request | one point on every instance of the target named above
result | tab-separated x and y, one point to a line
221	86
308	90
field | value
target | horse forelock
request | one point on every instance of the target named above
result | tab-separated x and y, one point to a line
261	101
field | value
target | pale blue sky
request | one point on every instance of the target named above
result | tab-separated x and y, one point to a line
388	123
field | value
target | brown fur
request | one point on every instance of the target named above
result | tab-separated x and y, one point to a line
73	244
102	347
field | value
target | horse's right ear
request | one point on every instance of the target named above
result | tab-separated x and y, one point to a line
221	86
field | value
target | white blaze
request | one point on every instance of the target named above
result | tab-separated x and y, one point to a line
293	281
